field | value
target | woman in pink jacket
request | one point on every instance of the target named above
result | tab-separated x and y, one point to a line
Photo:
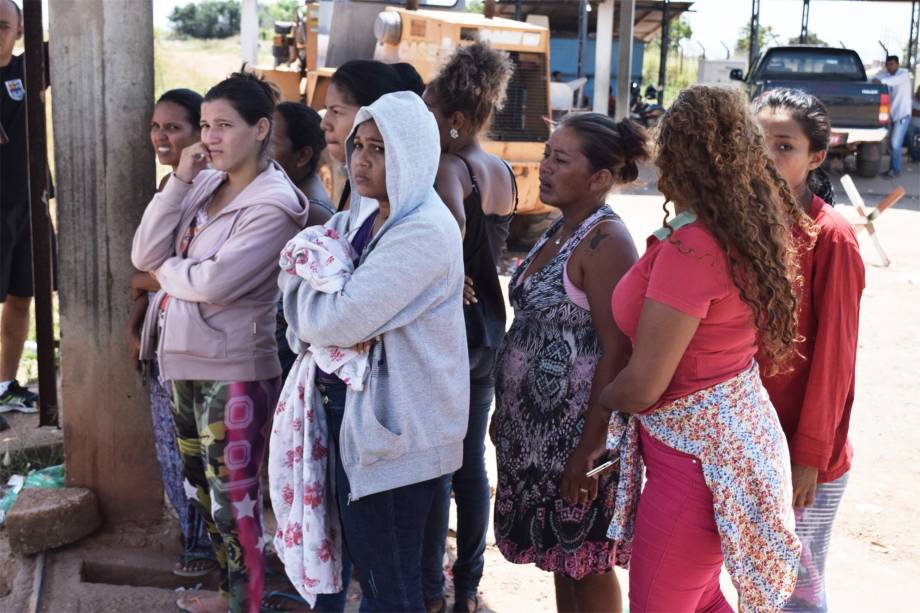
211	238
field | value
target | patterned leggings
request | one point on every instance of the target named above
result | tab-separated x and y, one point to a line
195	539
813	527
223	428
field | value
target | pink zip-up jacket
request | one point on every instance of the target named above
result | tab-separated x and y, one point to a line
219	321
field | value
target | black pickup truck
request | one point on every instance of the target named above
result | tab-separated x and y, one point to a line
858	108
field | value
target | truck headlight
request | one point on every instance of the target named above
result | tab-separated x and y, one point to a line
388	28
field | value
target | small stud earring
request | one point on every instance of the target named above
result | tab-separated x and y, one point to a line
454	134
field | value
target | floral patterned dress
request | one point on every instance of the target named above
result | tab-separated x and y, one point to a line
543	384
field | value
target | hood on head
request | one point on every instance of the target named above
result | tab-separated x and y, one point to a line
413	150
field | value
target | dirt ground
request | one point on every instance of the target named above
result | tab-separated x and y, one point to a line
875	554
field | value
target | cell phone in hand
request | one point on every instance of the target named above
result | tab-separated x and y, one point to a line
602	468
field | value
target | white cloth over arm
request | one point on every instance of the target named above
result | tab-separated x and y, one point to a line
308	540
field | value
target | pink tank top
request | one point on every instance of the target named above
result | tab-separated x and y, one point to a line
576	295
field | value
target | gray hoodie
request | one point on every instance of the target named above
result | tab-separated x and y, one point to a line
408	424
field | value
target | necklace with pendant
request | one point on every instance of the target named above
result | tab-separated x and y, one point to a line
558	240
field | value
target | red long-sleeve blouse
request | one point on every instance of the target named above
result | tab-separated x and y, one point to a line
814	400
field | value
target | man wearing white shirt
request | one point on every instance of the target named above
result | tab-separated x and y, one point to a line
913	130
898	81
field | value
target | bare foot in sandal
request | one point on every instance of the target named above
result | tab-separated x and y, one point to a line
284	601
195	567
203	604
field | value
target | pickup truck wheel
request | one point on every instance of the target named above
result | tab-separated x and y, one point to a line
526	230
868	159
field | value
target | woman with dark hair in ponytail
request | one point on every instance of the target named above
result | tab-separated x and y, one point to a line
561	351
211	238
480	191
355	84
814	398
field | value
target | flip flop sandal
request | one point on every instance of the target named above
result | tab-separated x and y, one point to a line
196	604
266	605
195	567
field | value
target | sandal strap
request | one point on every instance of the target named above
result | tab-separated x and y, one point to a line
292	597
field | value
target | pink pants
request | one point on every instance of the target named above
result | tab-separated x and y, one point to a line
677	555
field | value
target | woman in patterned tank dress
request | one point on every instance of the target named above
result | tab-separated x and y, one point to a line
561	350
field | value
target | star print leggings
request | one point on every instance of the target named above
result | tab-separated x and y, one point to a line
222	429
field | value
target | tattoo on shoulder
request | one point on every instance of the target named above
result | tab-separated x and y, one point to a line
596	239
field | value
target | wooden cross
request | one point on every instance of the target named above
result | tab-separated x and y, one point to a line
867	217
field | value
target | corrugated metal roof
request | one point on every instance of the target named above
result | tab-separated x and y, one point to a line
563	15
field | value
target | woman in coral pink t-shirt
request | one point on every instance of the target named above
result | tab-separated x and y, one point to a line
713	287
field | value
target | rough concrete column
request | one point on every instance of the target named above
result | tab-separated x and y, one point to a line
102	96
602	51
249	30
624	57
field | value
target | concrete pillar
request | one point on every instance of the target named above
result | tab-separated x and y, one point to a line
249	30
102	95
602	50
624	57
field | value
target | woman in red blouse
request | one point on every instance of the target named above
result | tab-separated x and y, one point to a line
814	398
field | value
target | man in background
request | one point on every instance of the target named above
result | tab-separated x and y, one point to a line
15	234
913	130
898	81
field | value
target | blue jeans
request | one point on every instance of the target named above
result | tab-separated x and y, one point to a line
471	492
913	149
334	403
382	532
896	132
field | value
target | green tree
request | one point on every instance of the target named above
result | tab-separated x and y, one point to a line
280	10
766	36
208	19
475	6
679	31
810	39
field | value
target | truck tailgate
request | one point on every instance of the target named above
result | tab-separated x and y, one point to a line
851	105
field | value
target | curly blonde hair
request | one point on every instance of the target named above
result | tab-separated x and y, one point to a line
473	81
713	160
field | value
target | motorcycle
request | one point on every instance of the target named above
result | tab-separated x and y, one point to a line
641	110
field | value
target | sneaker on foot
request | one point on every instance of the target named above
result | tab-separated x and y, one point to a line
18	398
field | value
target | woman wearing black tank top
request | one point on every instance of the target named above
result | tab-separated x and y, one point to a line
480	191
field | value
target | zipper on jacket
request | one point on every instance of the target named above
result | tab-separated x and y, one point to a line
161	334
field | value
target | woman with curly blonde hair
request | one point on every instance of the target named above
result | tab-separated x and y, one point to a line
717	282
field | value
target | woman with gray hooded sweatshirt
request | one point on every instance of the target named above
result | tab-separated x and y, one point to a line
399	438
